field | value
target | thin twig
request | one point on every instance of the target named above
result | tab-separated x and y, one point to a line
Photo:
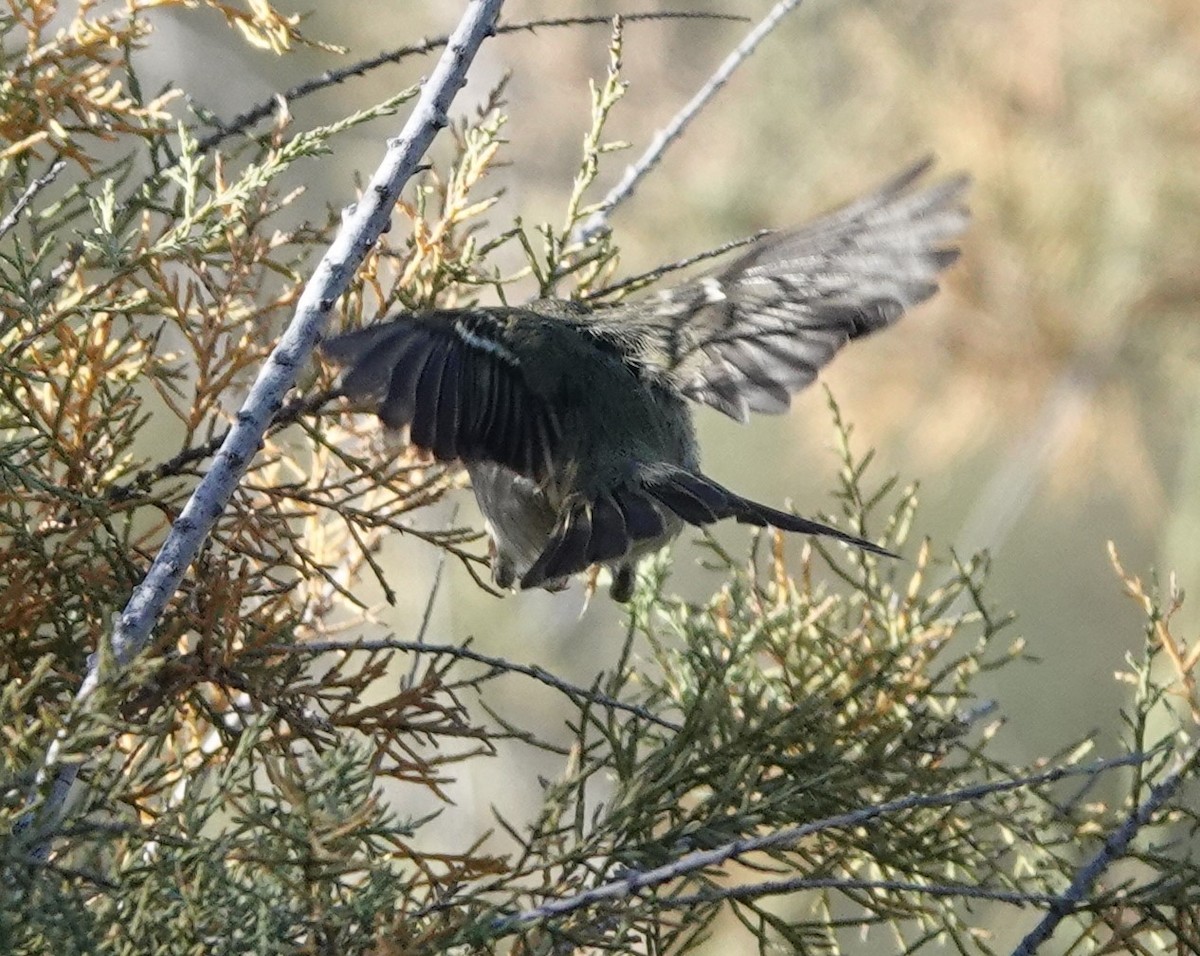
500	664
430	602
332	77
1114	847
597	223
361	227
35	186
637	880
636	282
753	891
290	413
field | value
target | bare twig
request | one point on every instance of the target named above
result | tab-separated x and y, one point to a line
499	664
634	283
753	891
34	187
636	880
430	602
1108	854
332	77
289	413
597	223
361	227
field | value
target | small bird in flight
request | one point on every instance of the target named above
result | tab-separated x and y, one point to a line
573	421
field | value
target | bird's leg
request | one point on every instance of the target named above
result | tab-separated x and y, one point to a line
621	589
503	574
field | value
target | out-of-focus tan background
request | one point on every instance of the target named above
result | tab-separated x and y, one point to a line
1047	400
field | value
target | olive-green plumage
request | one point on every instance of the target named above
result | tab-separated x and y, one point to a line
574	424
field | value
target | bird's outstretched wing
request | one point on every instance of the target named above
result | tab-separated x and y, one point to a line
451	379
745	336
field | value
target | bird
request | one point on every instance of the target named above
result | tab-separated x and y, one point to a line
573	420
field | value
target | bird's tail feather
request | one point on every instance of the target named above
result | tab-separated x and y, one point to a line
604	530
699	500
596	532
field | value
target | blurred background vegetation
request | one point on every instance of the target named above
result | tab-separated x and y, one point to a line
1047	401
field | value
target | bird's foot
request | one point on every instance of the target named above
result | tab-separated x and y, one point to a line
621	589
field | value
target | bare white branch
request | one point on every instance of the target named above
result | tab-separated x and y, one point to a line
361	227
35	186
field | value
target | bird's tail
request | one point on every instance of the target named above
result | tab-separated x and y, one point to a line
606	530
699	500
600	531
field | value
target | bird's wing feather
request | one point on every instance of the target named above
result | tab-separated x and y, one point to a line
745	336
454	383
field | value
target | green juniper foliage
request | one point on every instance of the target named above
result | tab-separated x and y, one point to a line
802	751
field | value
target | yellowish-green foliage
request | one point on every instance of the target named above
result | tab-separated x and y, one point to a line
246	783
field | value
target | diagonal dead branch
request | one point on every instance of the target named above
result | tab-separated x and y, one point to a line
361	227
598	221
633	283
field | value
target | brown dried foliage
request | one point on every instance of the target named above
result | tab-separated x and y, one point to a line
140	295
